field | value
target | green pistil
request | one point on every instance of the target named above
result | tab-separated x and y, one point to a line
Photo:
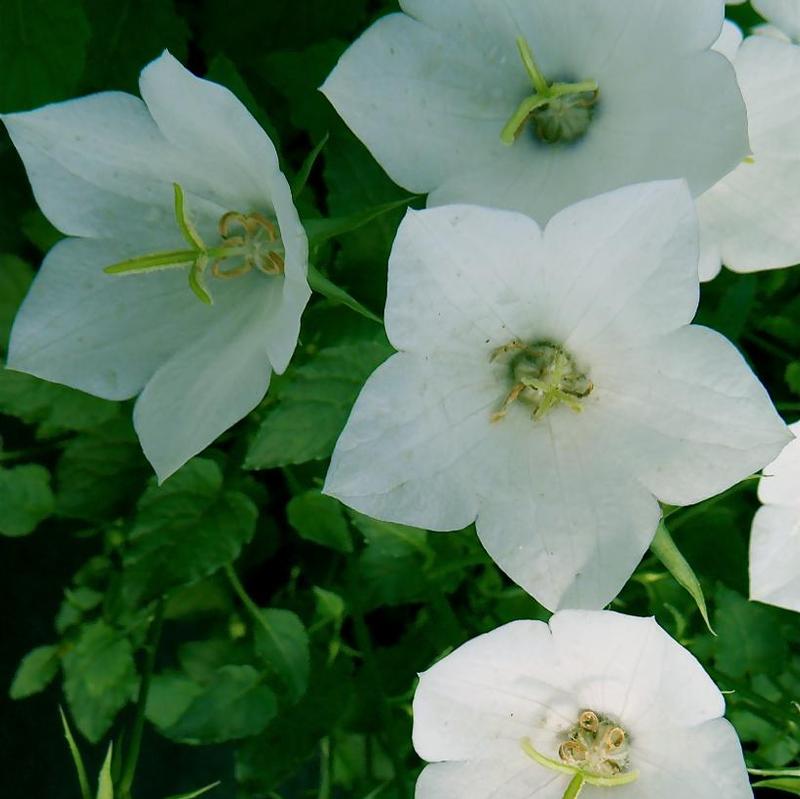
559	111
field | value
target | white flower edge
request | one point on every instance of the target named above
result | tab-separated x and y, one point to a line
530	681
102	169
749	220
566	505
775	534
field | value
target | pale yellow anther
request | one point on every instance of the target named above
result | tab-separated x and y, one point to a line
588	721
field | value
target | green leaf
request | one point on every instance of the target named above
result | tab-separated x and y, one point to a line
39	231
15	278
105	787
25	499
100	472
54	408
320	519
750	637
126	35
319	283
99	678
664	548
313	405
83	779
236	704
198	792
786	784
185	530
42	51
792	377
282	641
36	671
170	696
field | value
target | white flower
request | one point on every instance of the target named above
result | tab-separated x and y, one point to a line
505	332
125	178
784	16
619	93
610	701
750	220
775	536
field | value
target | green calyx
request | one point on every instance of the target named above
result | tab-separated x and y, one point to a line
558	112
259	246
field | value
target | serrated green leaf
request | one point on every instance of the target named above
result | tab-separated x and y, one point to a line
320	519
77	759
99	678
313	405
36	671
25	499
54	408
665	549
169	698
100	472
236	704
282	641
15	278
105	787
42	51
750	638
185	530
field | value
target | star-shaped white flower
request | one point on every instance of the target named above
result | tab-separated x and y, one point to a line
530	711
187	175
750	220
775	536
550	388
600	95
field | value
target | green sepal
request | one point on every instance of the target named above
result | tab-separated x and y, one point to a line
321	230
319	283
787	784
198	792
105	785
83	780
301	178
665	549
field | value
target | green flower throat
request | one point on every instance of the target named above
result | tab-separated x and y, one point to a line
557	112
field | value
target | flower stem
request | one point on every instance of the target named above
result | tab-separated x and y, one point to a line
132	754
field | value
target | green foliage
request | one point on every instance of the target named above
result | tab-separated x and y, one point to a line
310	407
99	677
15	277
320	519
281	641
25	499
36	671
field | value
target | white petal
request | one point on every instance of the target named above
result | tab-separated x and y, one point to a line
775	556
693	763
408	446
785	14
208	121
629	669
565	524
514	777
781	482
684	414
104	334
463	279
771	31
622	266
492	692
751	215
430	98
212	383
729	40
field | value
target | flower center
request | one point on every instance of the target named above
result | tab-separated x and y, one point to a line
542	376
558	112
251	239
596	746
595	752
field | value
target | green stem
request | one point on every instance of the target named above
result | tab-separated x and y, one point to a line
240	591
373	673
575	787
324	769
132	755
